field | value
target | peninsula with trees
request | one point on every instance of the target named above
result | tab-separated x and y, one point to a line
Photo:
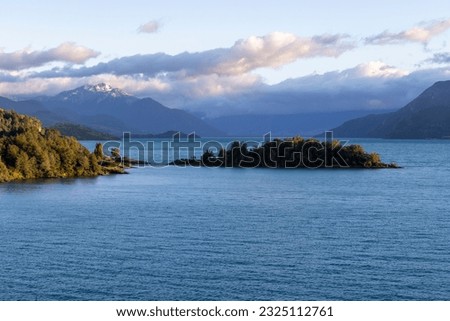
29	151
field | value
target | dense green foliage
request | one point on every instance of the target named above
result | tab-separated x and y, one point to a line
29	151
295	152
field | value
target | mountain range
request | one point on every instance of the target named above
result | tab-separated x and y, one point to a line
282	125
425	117
100	111
110	110
91	110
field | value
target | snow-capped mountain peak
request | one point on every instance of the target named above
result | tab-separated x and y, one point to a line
102	87
105	89
99	92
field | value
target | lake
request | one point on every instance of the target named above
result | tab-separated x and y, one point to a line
234	234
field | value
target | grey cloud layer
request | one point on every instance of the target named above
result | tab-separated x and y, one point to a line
273	50
25	59
440	58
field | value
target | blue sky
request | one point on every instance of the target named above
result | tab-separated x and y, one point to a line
219	48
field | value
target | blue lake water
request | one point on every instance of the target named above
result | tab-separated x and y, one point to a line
234	234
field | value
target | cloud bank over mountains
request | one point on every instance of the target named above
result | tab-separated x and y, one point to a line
227	80
373	86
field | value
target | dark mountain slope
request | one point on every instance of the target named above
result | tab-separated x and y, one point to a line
81	132
427	116
32	108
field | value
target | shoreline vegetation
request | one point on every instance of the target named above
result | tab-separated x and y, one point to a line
295	152
30	151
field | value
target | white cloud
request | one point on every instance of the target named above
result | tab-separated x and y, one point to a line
24	59
149	27
273	50
38	86
278	49
377	69
214	85
421	34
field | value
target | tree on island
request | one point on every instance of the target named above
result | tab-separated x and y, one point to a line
98	151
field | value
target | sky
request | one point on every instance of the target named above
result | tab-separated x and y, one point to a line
193	54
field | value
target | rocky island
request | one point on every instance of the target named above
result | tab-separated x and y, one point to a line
28	151
295	152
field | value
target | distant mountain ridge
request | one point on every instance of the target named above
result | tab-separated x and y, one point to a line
110	110
32	108
427	116
81	132
306	124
